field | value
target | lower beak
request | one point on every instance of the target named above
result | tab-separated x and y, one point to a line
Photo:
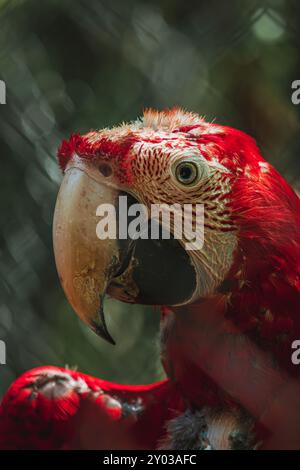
145	271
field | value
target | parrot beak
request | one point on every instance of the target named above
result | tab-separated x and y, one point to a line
84	262
144	271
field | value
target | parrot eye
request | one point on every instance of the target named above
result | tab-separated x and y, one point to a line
186	172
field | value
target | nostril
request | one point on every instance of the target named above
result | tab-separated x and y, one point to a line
105	169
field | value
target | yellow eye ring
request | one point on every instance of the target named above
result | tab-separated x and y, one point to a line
186	173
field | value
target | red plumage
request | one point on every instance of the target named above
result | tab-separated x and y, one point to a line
229	351
55	408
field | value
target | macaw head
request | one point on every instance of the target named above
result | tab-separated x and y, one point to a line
216	195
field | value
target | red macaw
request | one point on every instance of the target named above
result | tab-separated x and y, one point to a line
230	309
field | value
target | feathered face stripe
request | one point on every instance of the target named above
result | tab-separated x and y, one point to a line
92	146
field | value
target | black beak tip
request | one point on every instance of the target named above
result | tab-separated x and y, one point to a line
103	332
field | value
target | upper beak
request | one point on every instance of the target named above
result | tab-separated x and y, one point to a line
85	264
156	272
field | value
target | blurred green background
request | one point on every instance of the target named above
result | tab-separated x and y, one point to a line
73	66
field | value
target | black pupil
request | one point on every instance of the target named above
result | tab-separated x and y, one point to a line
185	173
